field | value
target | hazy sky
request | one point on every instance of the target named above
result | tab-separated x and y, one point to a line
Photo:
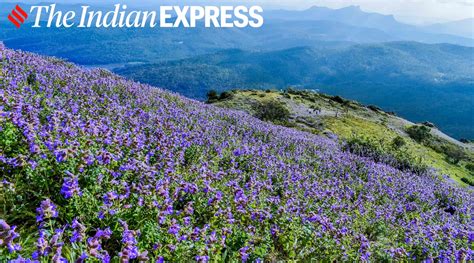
443	10
415	11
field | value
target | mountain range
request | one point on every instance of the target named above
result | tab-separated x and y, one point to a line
283	29
397	76
459	32
365	56
464	28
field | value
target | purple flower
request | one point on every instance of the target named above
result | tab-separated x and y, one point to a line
7	235
20	259
238	152
70	186
79	231
209	178
174	228
244	256
46	210
82	258
103	234
60	156
129	241
42	247
203	259
94	245
143	257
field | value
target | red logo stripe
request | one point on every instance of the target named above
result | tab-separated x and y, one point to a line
22	12
13	21
20	18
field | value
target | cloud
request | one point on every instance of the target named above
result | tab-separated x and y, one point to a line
460	2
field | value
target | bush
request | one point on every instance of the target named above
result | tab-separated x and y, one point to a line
339	100
273	111
292	91
212	96
376	151
374	108
226	95
467	181
419	133
31	80
398	142
470	167
429	124
453	153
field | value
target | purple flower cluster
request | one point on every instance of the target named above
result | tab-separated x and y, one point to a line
46	210
79	231
70	186
127	172
94	245
7	235
52	247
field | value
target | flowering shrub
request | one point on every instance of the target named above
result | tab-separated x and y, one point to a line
96	169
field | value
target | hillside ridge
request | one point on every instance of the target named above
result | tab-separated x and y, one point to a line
321	114
94	167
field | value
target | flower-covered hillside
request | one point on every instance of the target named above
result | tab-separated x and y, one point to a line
97	168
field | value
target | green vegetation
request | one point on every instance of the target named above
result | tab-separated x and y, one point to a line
95	168
213	96
454	154
420	133
380	151
470	167
272	111
398	142
467	181
366	130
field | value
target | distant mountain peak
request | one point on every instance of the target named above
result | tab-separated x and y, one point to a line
316	7
352	7
349	15
463	28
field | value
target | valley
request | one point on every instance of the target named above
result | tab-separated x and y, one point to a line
397	76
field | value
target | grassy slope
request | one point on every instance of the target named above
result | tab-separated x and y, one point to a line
250	162
349	121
